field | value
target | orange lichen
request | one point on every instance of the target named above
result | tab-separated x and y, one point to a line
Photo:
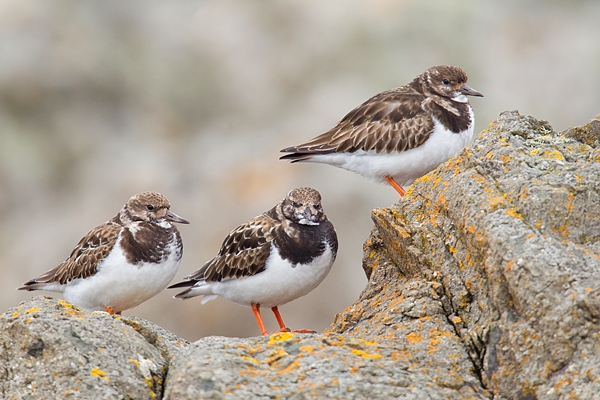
414	337
513	213
364	354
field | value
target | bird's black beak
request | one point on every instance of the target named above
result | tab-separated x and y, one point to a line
470	91
171	216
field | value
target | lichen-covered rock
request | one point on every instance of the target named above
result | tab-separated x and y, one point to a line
301	366
502	244
50	349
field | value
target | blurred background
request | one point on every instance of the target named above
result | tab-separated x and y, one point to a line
194	99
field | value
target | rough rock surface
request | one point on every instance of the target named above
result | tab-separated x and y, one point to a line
299	366
52	350
484	282
500	247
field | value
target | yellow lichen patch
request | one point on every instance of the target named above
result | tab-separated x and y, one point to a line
530	236
579	178
15	314
28	320
72	312
293	366
32	310
364	354
432	348
513	213
534	152
308	349
251	359
588	289
276	355
367	342
100	374
553	155
495	202
414	337
280	337
505	159
457	320
64	303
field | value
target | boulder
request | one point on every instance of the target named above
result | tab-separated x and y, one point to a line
500	249
304	366
50	349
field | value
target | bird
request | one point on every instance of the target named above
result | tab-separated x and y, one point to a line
121	263
401	134
272	259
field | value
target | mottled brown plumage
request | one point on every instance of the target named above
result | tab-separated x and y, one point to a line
272	259
245	250
144	233
84	259
394	122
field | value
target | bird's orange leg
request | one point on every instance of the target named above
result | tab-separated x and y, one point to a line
279	320
261	325
110	310
393	183
282	324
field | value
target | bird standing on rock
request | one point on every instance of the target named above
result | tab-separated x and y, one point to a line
123	262
272	259
401	134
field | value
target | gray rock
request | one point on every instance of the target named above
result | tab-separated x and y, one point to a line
301	366
50	349
507	238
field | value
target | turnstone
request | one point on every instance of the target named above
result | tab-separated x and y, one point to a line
123	262
400	134
272	259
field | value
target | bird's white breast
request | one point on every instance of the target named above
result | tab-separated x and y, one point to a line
280	283
121	285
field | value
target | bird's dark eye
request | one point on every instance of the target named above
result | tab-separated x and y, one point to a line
445	81
294	204
150	207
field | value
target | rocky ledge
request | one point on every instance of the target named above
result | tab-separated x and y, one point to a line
484	282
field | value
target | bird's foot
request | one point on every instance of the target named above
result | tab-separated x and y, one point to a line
304	331
111	311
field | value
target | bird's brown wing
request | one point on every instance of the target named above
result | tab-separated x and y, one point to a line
244	252
390	121
84	259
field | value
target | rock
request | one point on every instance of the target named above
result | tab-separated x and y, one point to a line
50	349
498	248
301	366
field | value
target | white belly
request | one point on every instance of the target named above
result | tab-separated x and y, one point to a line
120	285
279	284
406	166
